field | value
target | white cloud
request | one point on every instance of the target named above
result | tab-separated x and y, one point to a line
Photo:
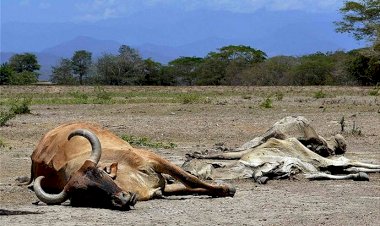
104	9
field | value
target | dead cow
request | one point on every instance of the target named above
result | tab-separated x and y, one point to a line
93	167
290	148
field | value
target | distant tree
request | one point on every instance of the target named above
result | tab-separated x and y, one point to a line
23	78
108	70
24	67
212	71
132	66
366	69
273	71
242	53
6	73
360	18
24	62
153	72
314	69
186	70
126	68
63	73
81	63
225	66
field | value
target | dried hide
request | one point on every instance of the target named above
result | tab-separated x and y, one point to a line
290	148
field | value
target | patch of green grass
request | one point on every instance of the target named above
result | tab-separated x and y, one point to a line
5	117
375	91
319	94
2	143
279	96
190	98
146	142
79	95
267	103
21	106
102	95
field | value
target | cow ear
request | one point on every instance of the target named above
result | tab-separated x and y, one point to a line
110	169
113	170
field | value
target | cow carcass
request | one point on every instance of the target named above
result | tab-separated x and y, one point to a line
114	176
290	148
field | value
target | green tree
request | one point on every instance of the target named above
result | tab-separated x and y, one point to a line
273	71
132	66
225	66
154	73
361	18
63	73
24	62
314	69
6	73
126	68
23	78
366	69
186	69
81	63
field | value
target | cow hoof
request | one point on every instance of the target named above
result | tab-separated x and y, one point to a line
262	180
231	190
361	176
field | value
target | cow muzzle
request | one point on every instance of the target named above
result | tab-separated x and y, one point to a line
124	200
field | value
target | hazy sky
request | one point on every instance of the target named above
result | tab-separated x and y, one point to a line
93	10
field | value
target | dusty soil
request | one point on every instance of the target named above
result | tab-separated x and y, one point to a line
233	120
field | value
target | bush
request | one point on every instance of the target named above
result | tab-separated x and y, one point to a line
102	94
375	91
190	98
319	94
79	95
5	117
267	103
21	106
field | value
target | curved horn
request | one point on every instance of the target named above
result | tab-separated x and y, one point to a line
93	139
48	198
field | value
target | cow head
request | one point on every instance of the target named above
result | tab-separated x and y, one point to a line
90	186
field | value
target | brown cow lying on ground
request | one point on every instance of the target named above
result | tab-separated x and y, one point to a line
115	175
290	148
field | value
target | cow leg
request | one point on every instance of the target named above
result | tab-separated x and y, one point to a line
324	176
364	165
180	189
361	169
223	155
192	185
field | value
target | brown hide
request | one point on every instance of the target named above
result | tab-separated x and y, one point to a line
138	170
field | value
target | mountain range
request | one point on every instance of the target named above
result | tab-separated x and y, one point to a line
168	34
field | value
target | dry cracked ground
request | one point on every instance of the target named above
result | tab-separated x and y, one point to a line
231	115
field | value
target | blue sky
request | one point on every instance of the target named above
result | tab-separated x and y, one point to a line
95	10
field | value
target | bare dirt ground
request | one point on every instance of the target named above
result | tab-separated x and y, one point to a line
232	119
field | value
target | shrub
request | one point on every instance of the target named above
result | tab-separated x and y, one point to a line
189	98
5	117
21	106
79	95
2	143
267	103
279	96
102	94
319	94
375	91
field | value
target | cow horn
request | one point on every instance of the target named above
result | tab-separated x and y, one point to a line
93	139
48	198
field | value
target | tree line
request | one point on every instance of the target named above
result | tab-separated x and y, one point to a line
229	65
